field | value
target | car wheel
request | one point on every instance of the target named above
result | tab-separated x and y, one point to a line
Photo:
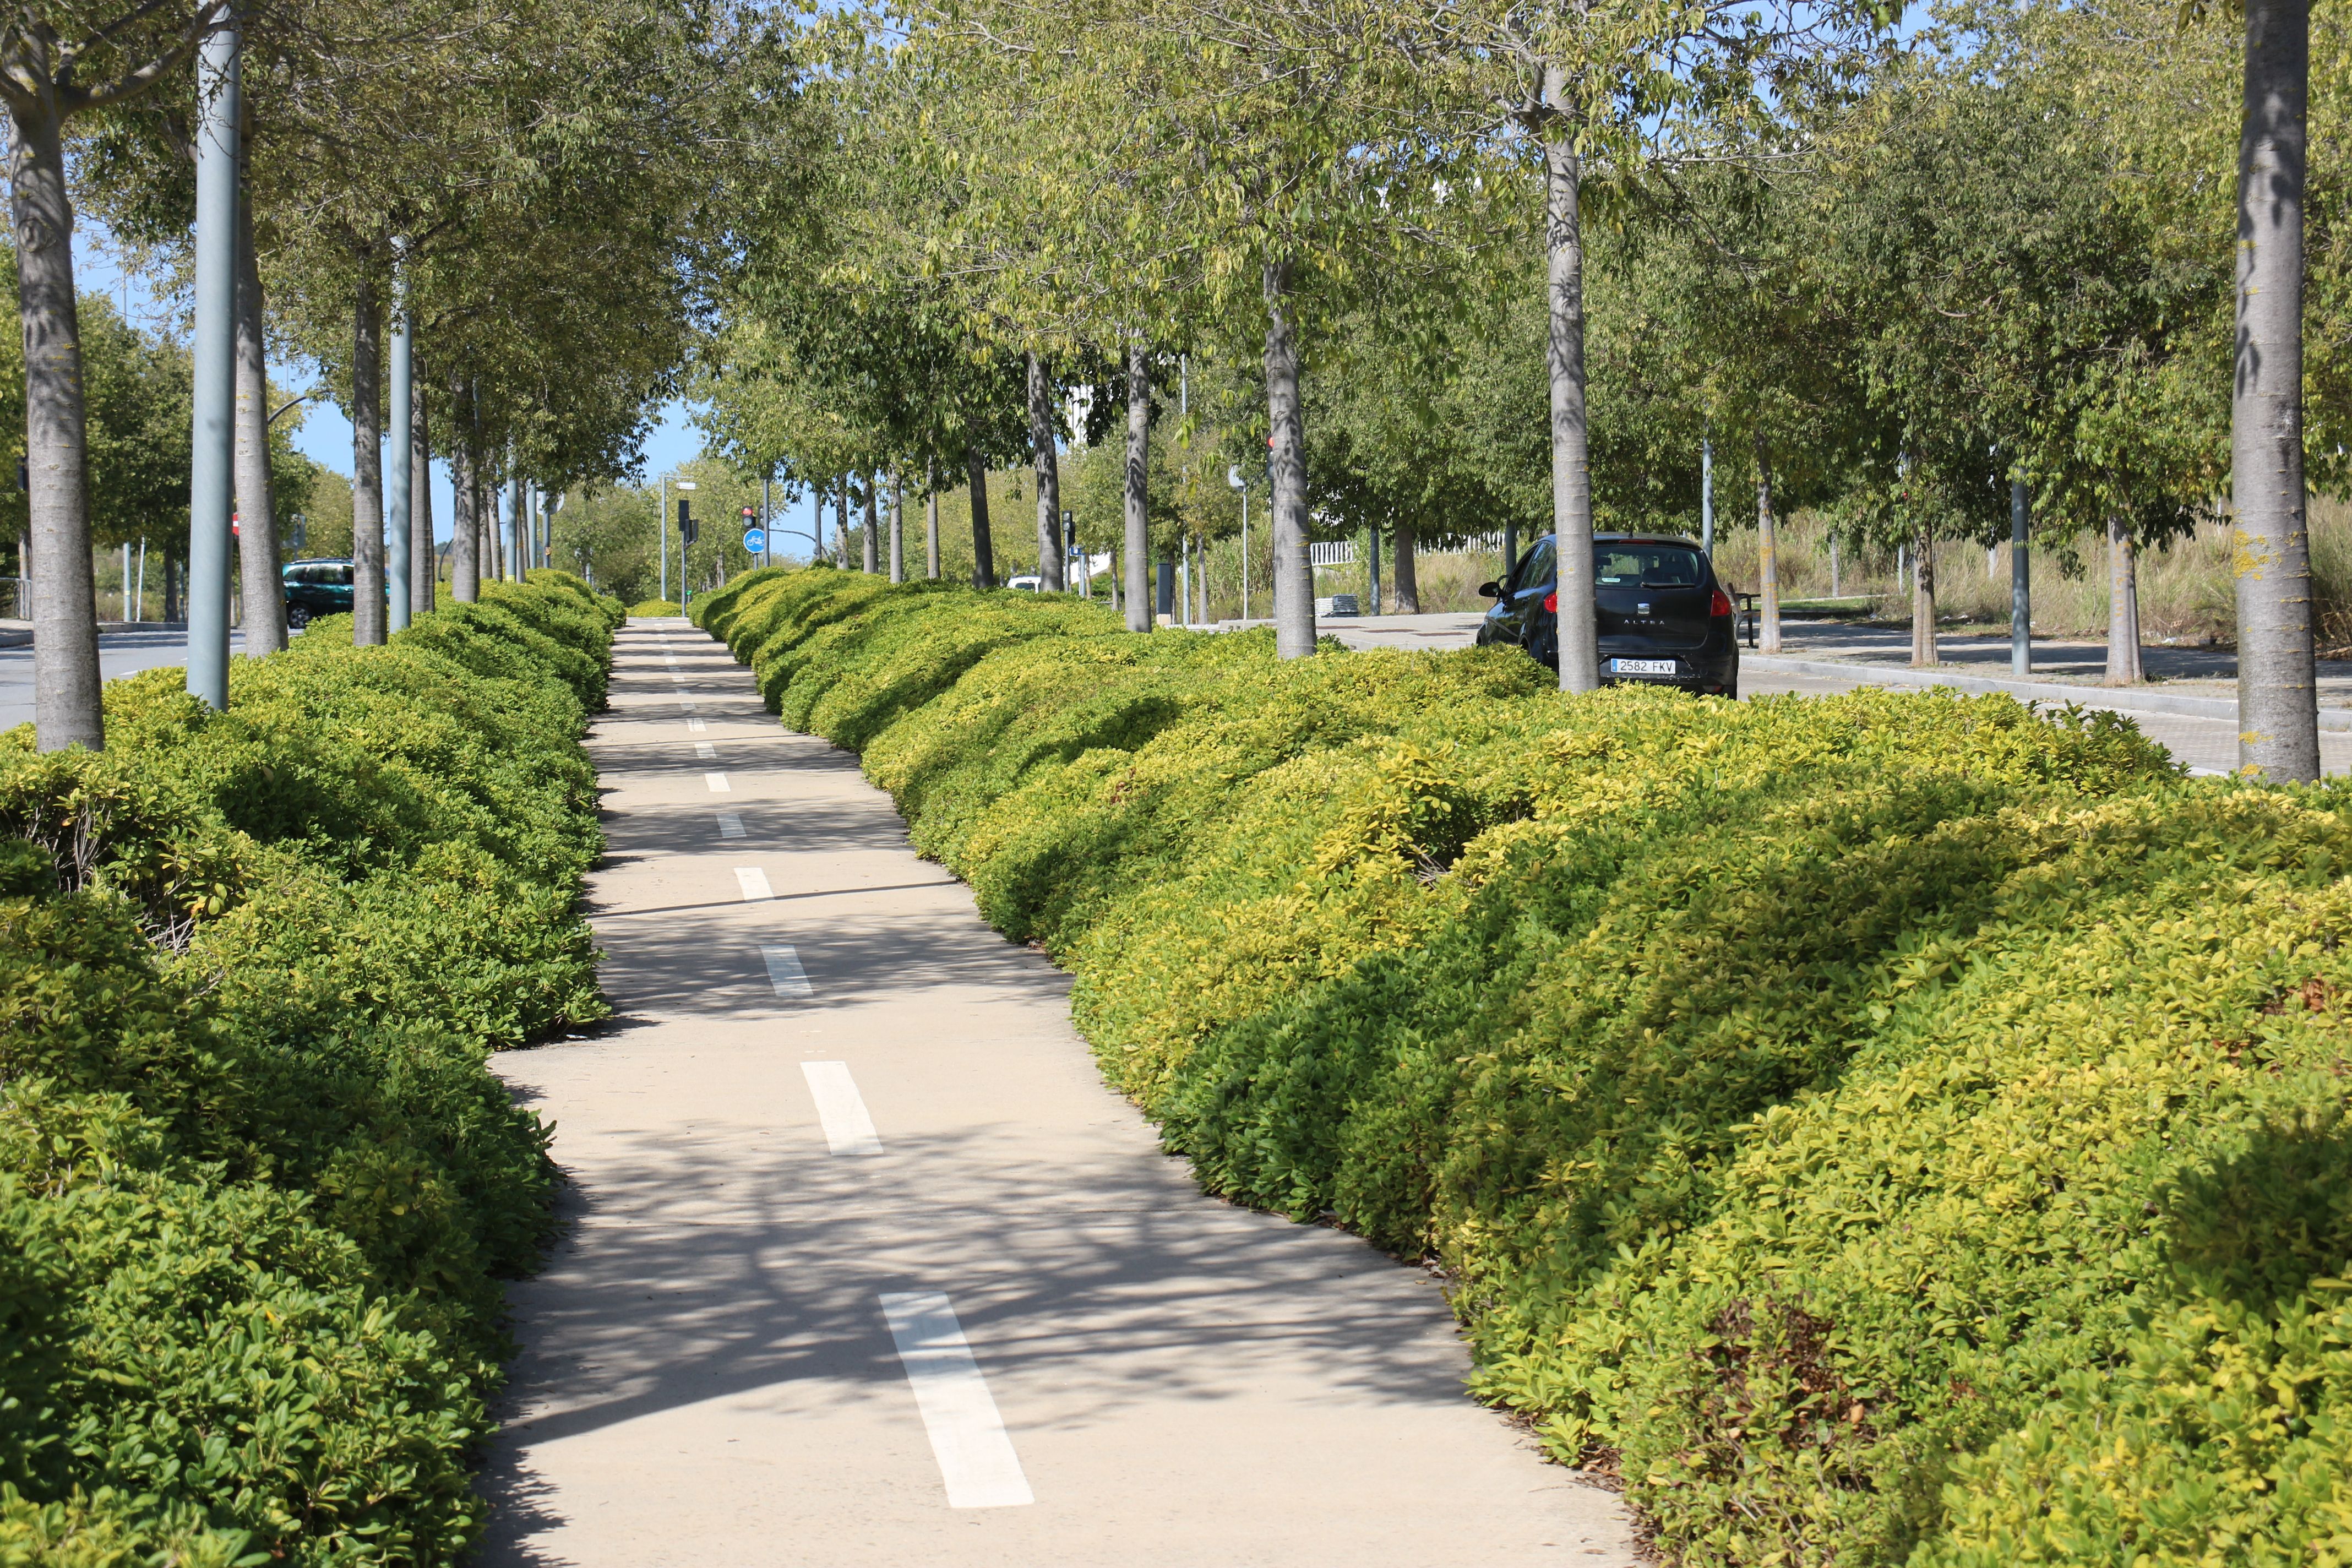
297	617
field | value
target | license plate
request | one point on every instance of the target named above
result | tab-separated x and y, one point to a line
1642	666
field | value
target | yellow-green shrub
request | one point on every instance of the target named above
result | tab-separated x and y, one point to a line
1884	1126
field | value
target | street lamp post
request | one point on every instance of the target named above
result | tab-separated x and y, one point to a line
211	469
1234	478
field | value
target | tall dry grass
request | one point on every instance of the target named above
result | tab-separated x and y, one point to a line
2186	591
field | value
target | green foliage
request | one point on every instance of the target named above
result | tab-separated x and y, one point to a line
1887	1127
258	1190
654	608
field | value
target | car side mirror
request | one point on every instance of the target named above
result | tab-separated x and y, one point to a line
1490	590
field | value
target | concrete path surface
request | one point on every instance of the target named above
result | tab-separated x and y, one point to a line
864	1265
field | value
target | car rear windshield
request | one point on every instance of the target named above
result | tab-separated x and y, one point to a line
1647	566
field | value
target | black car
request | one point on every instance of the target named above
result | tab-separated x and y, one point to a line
1662	617
315	588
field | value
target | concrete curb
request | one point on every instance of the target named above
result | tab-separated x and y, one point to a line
2126	699
22	636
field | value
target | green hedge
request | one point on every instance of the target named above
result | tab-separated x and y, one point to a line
1886	1126
258	1188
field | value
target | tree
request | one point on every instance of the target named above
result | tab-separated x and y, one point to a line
2021	308
1136	178
57	62
2278	693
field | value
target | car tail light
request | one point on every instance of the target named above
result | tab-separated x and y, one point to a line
1551	604
1719	605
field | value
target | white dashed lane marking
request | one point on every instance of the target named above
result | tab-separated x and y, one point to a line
848	1129
968	1437
784	971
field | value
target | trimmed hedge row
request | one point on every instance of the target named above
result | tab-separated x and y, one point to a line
258	1186
1887	1127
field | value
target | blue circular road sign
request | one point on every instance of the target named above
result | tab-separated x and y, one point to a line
755	540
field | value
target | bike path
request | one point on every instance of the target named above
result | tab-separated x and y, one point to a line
863	1263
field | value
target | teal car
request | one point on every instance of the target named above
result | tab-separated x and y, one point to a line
315	588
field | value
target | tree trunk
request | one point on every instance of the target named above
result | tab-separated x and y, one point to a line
176	613
1404	584
464	530
425	564
1768	559
1051	555
1294	572
66	705
1572	473
873	539
840	530
932	519
2123	606
486	511
1923	599
367	467
898	525
518	535
257	539
983	547
2278	697
1138	543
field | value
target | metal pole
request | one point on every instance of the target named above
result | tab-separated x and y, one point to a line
1706	492
515	528
661	537
767	521
211	462
2021	582
400	552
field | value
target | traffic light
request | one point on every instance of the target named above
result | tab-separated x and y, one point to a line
686	528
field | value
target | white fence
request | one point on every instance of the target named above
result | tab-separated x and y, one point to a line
1342	552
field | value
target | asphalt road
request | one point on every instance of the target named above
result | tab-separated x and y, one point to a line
2206	745
119	654
865	1265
